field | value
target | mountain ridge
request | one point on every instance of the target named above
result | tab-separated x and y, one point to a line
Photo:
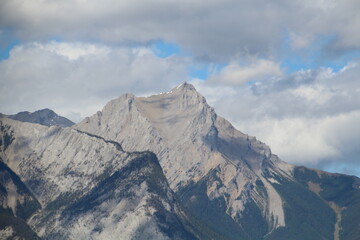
44	116
192	103
224	184
208	154
92	189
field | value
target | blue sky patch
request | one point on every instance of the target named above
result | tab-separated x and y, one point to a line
164	49
5	51
311	57
201	72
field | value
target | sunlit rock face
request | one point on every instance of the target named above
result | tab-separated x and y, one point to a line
85	187
192	142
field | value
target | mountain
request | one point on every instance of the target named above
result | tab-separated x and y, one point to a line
227	180
61	183
45	117
163	167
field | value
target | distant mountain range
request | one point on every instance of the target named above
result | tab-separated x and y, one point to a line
163	167
45	117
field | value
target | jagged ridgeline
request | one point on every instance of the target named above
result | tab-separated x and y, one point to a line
164	167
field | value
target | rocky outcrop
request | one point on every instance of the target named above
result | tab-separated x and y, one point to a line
89	188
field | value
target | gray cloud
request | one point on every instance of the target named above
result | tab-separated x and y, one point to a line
282	83
211	30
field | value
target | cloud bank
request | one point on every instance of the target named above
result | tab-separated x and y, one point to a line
211	30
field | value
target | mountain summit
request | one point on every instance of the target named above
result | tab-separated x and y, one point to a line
179	124
194	145
225	178
45	117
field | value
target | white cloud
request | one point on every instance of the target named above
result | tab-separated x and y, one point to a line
316	93
309	141
308	118
73	50
79	78
235	74
213	93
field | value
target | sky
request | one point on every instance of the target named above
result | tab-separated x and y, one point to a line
284	71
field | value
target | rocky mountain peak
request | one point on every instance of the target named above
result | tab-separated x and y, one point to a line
192	144
44	116
184	87
178	117
184	95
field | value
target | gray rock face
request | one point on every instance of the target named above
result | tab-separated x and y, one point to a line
45	117
89	188
191	141
17	205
